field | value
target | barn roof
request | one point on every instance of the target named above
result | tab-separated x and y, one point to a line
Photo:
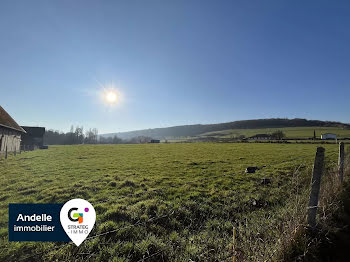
7	121
34	131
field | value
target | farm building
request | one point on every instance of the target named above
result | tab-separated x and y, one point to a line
154	141
33	139
10	134
260	137
328	136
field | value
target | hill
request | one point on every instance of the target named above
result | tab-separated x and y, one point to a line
196	130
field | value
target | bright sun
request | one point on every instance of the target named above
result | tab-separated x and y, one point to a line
111	97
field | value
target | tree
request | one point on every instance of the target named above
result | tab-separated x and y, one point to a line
79	135
110	140
279	134
70	136
95	135
73	137
116	140
91	136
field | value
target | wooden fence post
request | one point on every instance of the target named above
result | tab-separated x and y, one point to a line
341	161
315	187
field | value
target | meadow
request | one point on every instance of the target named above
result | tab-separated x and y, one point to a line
162	202
290	132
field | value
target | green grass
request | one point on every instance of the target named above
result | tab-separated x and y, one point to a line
196	192
291	132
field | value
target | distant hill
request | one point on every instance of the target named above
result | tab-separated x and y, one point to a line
195	130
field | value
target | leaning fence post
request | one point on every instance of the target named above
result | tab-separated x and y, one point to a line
341	161
315	186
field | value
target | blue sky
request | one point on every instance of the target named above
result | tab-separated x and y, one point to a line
174	62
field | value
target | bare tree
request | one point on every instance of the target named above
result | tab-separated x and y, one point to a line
279	134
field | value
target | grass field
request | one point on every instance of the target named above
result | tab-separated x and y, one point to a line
291	132
164	202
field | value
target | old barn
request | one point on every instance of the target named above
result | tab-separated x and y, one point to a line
10	134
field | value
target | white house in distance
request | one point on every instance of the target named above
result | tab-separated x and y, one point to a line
328	136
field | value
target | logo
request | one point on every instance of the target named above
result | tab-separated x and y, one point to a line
78	218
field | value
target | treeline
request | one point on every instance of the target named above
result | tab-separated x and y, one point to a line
73	137
76	136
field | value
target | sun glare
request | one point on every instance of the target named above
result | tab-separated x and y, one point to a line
111	97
